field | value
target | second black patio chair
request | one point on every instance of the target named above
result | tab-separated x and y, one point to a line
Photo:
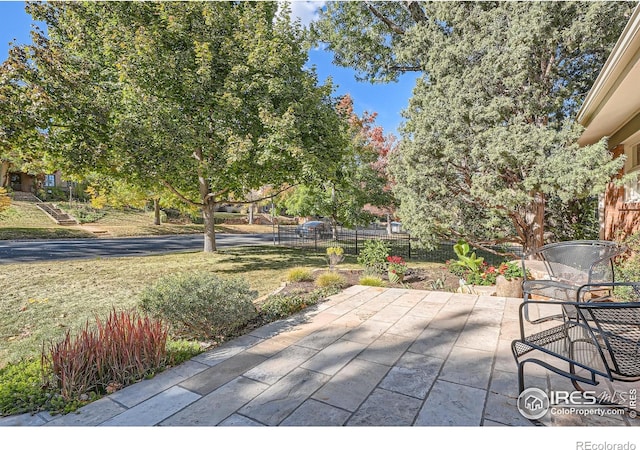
564	268
593	341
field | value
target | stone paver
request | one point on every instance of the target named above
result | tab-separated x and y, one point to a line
468	367
281	364
219	404
367	356
386	408
452	404
352	385
220	374
139	392
387	349
281	399
236	420
435	342
93	414
313	413
154	410
332	358
413	375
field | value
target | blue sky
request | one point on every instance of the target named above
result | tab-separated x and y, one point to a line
388	100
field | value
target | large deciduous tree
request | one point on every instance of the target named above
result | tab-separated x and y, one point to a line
21	139
490	130
207	99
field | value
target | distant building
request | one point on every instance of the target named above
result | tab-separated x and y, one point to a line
25	182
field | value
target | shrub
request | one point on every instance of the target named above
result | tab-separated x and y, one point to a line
279	306
299	274
331	279
282	305
373	256
370	280
86	214
201	305
52	194
627	268
107	356
179	351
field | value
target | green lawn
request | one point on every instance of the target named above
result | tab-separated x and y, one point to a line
40	301
23	220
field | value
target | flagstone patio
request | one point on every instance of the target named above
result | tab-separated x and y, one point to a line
366	357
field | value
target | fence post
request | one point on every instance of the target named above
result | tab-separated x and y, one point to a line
409	237
356	241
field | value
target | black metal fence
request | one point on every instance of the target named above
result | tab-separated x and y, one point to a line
353	240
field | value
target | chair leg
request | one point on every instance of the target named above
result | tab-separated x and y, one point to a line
574	382
521	377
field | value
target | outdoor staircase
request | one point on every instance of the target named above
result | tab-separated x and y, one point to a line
20	196
56	214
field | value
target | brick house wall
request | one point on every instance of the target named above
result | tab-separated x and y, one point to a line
620	219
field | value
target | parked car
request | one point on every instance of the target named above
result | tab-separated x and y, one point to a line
313	228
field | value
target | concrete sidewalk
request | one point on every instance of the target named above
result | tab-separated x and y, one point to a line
366	357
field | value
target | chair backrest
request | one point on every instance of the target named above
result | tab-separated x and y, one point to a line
617	327
581	262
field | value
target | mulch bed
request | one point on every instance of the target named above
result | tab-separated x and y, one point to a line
414	279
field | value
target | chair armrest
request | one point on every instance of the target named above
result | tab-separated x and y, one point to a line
557	318
582	290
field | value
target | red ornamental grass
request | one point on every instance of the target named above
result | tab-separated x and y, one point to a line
119	351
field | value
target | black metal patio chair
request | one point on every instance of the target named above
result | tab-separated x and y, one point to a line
568	266
593	339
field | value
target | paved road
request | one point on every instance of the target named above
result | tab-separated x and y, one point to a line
45	250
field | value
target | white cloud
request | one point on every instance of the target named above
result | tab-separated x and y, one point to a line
305	10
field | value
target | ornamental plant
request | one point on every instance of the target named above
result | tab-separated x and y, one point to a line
511	270
373	256
106	356
467	259
397	265
487	274
335	255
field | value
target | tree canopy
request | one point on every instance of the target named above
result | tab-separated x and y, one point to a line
490	131
207	99
357	178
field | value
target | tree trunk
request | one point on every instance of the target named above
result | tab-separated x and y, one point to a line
156	211
4	174
208	208
250	213
334	227
209	226
334	214
389	224
534	220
